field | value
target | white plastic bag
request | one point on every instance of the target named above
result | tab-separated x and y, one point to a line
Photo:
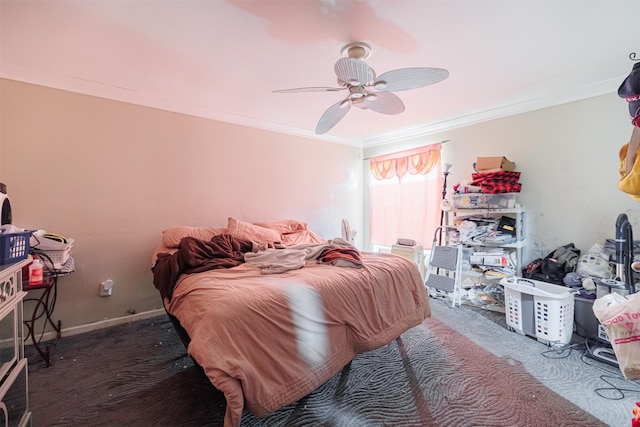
620	317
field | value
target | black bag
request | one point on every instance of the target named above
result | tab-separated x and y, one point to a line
507	225
554	266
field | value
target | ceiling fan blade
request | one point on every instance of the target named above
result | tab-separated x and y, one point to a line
310	89
332	116
354	71
384	102
409	78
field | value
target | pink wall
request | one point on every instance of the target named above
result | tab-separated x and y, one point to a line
113	175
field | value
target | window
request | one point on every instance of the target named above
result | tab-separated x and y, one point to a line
406	191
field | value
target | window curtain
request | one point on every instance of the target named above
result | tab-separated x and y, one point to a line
406	191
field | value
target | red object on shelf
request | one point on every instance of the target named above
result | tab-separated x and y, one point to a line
36	272
47	282
636	412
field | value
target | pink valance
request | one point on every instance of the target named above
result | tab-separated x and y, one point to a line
416	161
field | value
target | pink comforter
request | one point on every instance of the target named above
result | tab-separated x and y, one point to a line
268	340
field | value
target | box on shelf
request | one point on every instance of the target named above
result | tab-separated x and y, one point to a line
14	247
414	253
485	201
494	164
539	309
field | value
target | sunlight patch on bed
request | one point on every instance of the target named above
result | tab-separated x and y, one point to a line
308	318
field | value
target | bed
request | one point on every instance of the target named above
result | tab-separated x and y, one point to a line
271	310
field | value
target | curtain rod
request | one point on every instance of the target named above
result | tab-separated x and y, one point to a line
409	149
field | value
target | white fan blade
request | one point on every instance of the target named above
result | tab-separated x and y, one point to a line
332	116
354	71
384	102
409	78
310	89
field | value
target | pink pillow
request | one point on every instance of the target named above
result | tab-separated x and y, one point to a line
284	226
301	237
255	233
171	236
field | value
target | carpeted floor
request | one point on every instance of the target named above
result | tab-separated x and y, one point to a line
437	374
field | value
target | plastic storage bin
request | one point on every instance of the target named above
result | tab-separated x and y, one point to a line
586	321
539	309
485	201
14	247
414	253
56	253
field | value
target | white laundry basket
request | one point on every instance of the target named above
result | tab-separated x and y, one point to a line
57	253
539	309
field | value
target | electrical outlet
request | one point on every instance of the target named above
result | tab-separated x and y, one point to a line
106	288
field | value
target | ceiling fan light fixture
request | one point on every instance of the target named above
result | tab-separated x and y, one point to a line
356	92
381	84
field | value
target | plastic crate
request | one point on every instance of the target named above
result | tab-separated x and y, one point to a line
56	253
58	258
539	309
14	247
485	201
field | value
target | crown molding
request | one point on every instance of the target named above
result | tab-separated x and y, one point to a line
130	96
122	94
525	106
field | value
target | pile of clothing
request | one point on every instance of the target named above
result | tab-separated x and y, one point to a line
590	268
629	168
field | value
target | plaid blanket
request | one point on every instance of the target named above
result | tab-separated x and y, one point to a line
497	182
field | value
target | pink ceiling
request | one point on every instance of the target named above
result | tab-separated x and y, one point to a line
223	59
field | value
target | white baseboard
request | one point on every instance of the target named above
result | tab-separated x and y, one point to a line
74	330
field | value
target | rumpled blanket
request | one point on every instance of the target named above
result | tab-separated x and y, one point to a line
341	257
194	256
336	252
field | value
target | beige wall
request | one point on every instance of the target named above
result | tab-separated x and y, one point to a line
113	175
568	157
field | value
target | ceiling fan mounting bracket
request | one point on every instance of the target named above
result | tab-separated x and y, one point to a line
356	50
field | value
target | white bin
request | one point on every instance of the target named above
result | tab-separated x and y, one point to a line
539	309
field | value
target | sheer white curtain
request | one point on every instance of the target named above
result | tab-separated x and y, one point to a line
406	191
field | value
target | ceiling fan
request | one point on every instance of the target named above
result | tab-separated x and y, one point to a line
367	91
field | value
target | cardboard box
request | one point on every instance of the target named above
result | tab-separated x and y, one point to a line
494	164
